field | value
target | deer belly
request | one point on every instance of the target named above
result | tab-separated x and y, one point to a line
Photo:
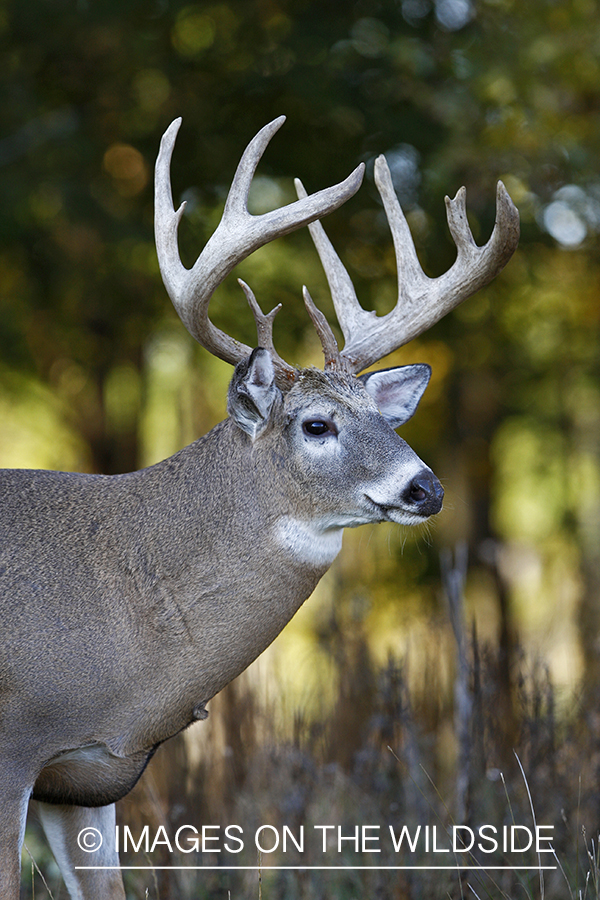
89	776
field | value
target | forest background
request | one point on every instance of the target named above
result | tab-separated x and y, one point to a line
97	373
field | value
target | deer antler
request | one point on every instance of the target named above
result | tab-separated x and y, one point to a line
422	301
238	234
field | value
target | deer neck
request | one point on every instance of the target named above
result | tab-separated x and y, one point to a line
233	591
243	498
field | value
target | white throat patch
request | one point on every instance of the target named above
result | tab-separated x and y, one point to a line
315	545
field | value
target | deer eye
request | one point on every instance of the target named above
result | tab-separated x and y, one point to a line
318	427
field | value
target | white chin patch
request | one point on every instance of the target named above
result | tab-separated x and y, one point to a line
405	518
308	543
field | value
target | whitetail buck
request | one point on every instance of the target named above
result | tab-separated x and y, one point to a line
127	602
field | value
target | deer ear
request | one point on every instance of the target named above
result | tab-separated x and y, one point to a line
252	392
397	391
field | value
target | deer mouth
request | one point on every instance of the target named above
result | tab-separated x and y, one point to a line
401	515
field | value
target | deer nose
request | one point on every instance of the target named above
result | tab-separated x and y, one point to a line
425	494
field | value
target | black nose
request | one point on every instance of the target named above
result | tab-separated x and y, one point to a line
425	494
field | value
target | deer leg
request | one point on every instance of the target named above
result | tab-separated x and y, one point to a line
73	833
12	832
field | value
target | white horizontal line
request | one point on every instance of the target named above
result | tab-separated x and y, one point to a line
320	868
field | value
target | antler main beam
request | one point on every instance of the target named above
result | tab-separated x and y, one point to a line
422	301
238	234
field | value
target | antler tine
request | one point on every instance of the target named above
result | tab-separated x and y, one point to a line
331	351
264	332
410	273
422	301
238	234
348	310
166	218
504	237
